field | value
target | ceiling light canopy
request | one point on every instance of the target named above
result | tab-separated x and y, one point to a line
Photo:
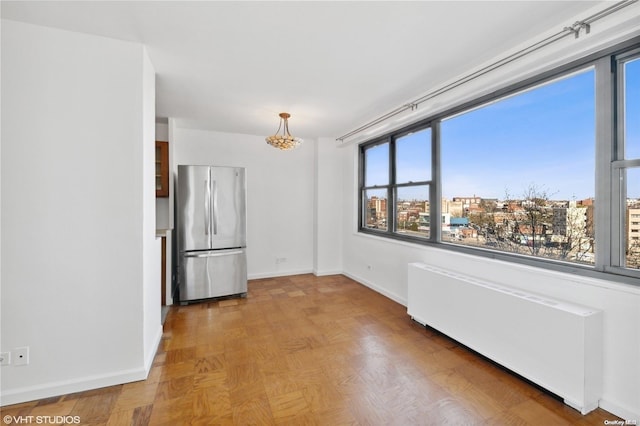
283	141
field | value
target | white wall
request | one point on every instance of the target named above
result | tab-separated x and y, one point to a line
327	209
1	322
162	132
280	195
78	246
151	250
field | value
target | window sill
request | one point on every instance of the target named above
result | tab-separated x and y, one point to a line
612	279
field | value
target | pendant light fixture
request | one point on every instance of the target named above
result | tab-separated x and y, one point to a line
284	141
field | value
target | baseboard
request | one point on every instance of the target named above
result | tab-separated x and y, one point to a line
152	354
622	412
275	274
47	390
325	273
377	289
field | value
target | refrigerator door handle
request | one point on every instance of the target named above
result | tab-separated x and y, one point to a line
207	208
214	184
213	254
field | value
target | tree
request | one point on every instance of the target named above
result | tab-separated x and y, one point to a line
575	233
529	219
633	254
484	219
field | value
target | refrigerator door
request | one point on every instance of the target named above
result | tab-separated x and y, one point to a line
228	207
213	273
193	208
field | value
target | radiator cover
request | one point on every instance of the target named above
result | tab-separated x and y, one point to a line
555	344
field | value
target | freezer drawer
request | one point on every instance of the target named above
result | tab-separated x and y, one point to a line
213	273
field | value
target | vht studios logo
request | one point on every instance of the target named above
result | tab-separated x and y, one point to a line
42	420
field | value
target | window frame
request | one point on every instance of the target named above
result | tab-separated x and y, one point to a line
392	186
362	188
619	165
608	215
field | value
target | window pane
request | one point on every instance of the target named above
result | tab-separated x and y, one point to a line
632	221
413	157
518	174
375	209
412	211
632	109
376	165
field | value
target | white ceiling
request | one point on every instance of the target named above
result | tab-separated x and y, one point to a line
233	66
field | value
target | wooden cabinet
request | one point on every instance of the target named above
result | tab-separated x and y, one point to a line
162	169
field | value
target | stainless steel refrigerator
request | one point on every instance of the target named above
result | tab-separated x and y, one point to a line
211	232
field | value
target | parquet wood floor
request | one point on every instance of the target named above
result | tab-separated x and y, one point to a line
306	350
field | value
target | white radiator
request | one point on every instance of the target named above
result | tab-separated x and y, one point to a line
555	344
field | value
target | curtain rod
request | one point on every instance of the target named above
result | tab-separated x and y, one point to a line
574	29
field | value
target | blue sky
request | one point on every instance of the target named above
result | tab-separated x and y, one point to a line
632	107
543	137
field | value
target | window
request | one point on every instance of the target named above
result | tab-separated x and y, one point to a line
631	243
398	169
376	182
413	174
627	164
519	173
513	176
631	94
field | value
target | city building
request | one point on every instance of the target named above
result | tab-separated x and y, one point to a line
633	234
377	209
455	208
570	222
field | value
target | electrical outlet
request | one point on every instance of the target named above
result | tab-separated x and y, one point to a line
20	355
5	358
280	260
